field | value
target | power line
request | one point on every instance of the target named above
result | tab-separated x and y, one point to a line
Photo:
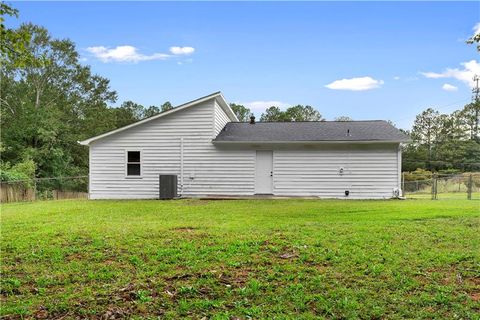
437	108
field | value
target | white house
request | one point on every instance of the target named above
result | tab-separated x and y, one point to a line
213	154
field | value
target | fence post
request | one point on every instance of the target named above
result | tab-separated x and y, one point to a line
469	187
34	189
434	187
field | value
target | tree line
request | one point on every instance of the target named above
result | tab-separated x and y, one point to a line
444	142
439	142
49	101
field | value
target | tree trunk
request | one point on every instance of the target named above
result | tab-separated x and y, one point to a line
37	99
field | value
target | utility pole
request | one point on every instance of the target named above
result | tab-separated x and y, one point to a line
476	89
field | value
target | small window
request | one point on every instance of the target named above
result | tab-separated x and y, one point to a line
133	163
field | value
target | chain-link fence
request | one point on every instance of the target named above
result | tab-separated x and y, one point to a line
44	189
438	186
443	186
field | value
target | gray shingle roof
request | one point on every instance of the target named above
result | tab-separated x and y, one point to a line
375	130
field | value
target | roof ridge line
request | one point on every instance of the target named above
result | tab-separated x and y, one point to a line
322	121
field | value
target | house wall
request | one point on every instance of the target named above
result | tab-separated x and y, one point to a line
206	169
369	171
181	143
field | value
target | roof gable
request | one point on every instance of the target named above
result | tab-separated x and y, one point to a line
217	96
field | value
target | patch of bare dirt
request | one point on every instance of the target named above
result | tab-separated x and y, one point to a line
127	293
475	296
109	262
41	313
74	257
475	281
114	312
235	277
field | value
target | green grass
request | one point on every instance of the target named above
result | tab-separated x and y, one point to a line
240	259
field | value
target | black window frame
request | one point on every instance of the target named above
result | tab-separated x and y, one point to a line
129	163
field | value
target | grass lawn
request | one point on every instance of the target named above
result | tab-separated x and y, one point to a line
241	259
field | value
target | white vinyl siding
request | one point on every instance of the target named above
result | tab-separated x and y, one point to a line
369	171
220	120
206	170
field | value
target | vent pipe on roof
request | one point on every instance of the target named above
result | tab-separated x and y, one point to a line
252	119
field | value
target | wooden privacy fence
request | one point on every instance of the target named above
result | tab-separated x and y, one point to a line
15	193
44	189
59	195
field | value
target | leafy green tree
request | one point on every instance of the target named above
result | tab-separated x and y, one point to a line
475	39
14	43
21	171
273	113
303	113
471	115
295	113
243	113
449	144
166	106
413	157
46	108
127	113
151	111
425	132
444	141
471	158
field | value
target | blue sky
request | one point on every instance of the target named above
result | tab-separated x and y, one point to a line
367	60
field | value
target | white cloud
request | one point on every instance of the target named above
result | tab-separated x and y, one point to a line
131	54
182	50
470	68
260	106
449	87
396	78
355	84
123	54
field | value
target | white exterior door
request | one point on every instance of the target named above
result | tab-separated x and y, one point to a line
264	172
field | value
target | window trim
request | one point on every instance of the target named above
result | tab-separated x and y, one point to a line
140	176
